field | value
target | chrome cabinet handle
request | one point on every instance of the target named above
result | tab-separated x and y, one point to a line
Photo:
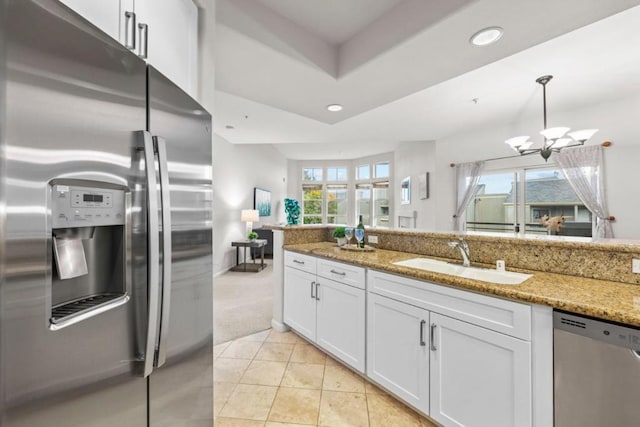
422	323
340	273
153	253
298	262
130	30
312	285
432	333
161	149
143	29
317	291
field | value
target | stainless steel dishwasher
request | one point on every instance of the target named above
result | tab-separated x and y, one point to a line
596	372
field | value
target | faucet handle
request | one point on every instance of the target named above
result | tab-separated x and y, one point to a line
464	243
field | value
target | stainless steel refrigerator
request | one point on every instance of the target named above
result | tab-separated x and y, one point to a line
105	232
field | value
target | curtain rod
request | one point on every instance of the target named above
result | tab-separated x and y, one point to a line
453	165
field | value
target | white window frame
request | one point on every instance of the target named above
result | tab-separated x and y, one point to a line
372	181
324	184
520	197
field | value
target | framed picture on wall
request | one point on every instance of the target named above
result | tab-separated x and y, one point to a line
262	201
423	185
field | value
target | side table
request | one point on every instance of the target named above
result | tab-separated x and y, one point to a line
244	266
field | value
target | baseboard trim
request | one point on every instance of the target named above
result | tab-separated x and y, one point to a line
279	326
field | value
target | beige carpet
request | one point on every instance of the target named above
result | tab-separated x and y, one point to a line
242	303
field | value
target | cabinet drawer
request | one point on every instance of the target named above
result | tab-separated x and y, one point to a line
343	273
300	262
499	315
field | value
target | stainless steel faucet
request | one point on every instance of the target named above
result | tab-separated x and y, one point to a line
463	246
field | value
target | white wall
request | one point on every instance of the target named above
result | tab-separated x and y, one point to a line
617	121
237	169
413	159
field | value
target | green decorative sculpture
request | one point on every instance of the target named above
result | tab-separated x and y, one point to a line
292	209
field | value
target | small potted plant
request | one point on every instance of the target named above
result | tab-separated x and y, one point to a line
338	234
252	236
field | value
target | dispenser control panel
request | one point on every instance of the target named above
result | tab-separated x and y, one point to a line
76	206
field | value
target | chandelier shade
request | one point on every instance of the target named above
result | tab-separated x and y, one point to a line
555	138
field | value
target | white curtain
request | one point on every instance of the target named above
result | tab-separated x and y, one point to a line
467	178
583	168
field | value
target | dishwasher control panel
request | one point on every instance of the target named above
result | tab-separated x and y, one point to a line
623	336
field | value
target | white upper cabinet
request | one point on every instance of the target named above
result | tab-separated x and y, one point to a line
164	33
104	14
171	37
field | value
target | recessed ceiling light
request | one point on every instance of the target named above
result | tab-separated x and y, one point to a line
486	36
334	107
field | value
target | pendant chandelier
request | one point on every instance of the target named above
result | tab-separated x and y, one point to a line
555	139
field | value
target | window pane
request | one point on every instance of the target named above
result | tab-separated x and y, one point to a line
363	203
312	204
312	207
363	172
494	206
552	207
382	170
336	174
337	204
381	204
312	220
312	174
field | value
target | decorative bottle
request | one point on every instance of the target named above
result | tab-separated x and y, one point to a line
360	226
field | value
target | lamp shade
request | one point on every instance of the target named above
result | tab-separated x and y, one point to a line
554	133
249	215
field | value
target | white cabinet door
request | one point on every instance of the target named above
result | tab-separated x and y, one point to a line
300	302
397	349
104	14
172	39
479	377
341	321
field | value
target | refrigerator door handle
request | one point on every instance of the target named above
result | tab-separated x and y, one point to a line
166	250
153	254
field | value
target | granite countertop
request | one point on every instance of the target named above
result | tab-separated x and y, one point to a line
615	301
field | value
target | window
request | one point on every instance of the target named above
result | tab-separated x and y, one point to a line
381	204
505	200
382	170
312	202
363	203
324	201
336	203
372	193
549	195
363	172
312	174
493	208
336	174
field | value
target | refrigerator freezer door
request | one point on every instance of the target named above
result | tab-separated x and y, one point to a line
180	390
74	98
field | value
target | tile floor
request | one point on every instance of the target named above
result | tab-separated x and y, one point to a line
273	379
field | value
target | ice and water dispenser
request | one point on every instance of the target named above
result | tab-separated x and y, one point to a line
89	250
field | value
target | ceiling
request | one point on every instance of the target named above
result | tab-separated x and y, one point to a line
404	69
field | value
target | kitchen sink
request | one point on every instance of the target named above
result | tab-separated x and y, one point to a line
475	273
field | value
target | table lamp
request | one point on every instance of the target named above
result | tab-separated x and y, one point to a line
249	216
